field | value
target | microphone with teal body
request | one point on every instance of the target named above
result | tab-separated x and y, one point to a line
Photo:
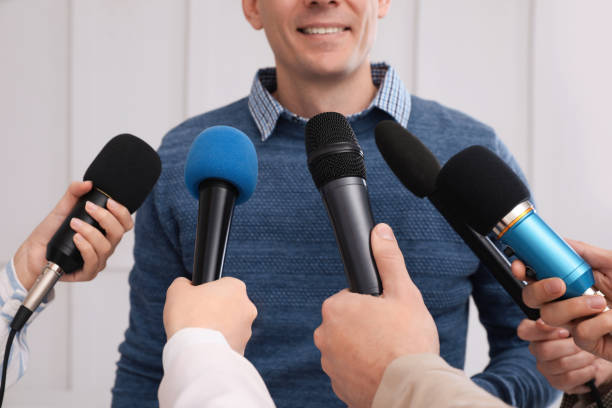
494	200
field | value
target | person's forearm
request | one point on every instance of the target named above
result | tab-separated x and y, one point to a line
426	380
12	294
200	369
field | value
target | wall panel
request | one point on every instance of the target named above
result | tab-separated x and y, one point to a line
33	114
472	55
572	128
127	76
33	169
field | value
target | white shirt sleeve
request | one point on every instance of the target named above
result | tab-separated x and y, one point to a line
202	370
12	294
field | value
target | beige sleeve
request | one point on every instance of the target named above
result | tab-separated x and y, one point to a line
426	380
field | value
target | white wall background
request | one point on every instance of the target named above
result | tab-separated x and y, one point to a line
74	73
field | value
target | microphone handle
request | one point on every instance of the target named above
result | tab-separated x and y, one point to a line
216	207
348	207
61	249
485	250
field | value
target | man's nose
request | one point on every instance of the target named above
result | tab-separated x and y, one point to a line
314	3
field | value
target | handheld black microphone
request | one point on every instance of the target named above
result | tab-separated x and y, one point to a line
125	170
417	168
335	161
220	172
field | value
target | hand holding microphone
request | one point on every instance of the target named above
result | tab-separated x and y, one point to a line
124	171
582	316
222	305
361	335
94	247
84	228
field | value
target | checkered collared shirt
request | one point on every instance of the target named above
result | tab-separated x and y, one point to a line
392	97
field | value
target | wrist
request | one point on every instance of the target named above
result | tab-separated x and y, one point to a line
22	272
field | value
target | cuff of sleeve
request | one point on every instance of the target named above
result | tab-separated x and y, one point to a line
187	337
14	279
397	378
13	293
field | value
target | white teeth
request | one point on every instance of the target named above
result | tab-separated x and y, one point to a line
323	30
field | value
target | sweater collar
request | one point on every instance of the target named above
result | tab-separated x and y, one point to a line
391	97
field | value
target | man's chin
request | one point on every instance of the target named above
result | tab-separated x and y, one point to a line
327	68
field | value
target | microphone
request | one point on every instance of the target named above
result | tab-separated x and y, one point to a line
220	172
417	168
335	161
125	170
493	199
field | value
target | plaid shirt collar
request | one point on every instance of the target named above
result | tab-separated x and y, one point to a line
392	97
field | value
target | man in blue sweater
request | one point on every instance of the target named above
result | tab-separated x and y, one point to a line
282	245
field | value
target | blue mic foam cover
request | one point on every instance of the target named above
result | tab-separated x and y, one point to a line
222	153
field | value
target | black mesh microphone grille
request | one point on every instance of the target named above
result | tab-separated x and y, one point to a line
328	128
411	161
126	169
335	166
485	187
328	132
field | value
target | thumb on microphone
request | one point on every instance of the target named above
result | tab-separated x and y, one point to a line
389	259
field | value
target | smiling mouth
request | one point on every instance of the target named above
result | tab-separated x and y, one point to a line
322	30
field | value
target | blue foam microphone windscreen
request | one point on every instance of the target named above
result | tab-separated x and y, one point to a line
222	153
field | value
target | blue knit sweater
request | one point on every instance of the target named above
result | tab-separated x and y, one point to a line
282	246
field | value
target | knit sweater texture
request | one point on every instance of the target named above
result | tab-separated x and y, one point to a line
282	246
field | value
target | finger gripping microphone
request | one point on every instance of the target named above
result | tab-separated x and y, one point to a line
417	168
125	170
335	161
220	172
495	200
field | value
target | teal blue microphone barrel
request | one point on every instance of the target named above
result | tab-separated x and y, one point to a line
538	246
494	200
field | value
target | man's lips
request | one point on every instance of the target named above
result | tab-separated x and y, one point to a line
323	29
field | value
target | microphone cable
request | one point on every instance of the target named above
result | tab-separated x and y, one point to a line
20	319
595	394
7	352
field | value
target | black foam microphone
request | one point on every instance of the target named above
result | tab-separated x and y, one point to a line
125	170
418	169
335	161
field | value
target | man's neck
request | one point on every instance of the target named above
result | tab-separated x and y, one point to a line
307	97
